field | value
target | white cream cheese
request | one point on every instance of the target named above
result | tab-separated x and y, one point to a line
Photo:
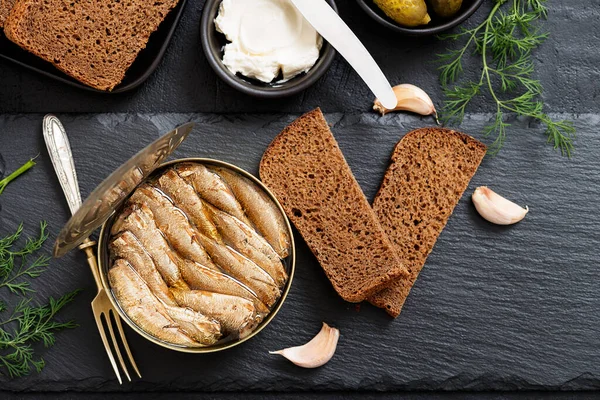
267	36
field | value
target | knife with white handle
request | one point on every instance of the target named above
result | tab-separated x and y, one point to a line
326	21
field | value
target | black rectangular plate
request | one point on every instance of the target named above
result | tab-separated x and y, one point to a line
143	66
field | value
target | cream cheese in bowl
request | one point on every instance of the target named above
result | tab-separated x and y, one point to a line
268	39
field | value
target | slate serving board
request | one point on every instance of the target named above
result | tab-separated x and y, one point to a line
495	308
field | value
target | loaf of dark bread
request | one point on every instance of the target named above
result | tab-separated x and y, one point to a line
429	171
5	7
305	169
94	41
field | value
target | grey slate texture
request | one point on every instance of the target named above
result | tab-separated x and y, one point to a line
495	308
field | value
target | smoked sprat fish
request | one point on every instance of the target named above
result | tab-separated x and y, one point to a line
212	188
172	223
202	329
186	198
139	221
249	243
243	270
144	309
235	314
128	247
203	278
262	211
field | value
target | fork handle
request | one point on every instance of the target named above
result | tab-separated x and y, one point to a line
59	149
88	247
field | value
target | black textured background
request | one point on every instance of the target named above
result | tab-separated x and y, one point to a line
495	308
567	62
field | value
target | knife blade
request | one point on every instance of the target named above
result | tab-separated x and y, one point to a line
333	29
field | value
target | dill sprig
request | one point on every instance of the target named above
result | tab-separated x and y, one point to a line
28	323
21	170
34	324
504	41
14	265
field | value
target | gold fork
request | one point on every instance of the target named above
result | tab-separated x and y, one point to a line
62	160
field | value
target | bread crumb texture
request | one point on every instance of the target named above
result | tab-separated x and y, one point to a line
5	7
430	170
305	169
94	41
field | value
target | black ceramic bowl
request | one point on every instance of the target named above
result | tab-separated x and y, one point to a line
437	24
213	43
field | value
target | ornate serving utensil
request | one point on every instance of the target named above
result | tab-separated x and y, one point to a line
59	149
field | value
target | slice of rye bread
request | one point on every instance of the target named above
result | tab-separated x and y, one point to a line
429	172
307	172
5	7
94	41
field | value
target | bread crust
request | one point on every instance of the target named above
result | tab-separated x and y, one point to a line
307	172
429	171
92	41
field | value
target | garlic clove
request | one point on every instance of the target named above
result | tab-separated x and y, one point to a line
315	353
410	98
495	208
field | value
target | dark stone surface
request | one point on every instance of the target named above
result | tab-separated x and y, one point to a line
568	62
312	395
494	309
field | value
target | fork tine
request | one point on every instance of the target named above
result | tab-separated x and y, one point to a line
126	346
115	343
107	346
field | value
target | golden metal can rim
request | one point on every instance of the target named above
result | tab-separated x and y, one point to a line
102	247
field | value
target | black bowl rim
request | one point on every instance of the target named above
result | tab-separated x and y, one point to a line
286	89
418	31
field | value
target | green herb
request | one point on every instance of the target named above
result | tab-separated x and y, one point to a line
25	167
28	323
14	268
504	41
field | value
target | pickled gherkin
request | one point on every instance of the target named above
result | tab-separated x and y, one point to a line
405	12
446	8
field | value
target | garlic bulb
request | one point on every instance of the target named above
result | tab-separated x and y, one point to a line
497	209
315	353
410	98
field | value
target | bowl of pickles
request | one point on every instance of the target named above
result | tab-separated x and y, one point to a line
420	17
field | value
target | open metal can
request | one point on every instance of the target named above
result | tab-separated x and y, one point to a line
105	203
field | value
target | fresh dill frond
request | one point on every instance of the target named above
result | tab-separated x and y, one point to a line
20	171
27	323
33	324
14	264
457	100
504	42
497	129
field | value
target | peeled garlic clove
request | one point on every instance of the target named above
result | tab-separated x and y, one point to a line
496	208
316	352
410	98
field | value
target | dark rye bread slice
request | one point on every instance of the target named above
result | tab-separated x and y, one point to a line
429	171
5	7
307	172
94	41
